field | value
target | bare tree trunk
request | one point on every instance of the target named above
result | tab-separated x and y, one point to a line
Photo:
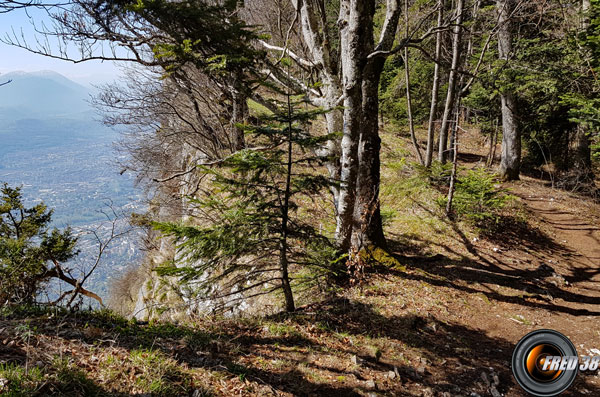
367	231
283	243
510	162
239	116
335	124
332	150
358	217
493	143
348	168
454	164
466	111
582	154
585	9
452	90
352	16
316	37
436	87
411	124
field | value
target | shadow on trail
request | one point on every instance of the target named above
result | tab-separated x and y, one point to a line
466	273
456	355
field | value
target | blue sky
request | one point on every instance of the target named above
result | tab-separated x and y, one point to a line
13	58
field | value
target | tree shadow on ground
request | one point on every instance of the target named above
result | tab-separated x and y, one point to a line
464	352
477	271
580	184
463	272
536	172
220	350
456	355
465	157
19	376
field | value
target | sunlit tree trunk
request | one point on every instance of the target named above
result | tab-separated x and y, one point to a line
510	162
361	76
352	16
452	80
283	241
582	153
357	200
316	36
436	86
411	124
239	116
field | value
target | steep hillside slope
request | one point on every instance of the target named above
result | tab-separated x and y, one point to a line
442	322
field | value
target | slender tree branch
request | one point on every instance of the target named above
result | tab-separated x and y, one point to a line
301	61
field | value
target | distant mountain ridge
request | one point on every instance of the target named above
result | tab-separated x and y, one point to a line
52	144
45	109
42	95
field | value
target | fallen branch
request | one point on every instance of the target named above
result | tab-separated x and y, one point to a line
57	272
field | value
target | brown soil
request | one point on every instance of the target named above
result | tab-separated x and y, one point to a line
544	274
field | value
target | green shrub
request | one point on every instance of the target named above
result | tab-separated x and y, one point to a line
478	199
438	174
29	249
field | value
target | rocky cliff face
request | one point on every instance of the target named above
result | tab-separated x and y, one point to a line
165	297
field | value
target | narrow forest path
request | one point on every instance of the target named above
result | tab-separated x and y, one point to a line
544	273
477	294
571	228
572	224
571	258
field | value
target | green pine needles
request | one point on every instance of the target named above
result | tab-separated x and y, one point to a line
248	236
30	252
479	199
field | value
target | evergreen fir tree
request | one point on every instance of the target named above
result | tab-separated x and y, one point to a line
249	234
30	252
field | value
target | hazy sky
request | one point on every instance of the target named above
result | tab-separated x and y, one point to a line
13	58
